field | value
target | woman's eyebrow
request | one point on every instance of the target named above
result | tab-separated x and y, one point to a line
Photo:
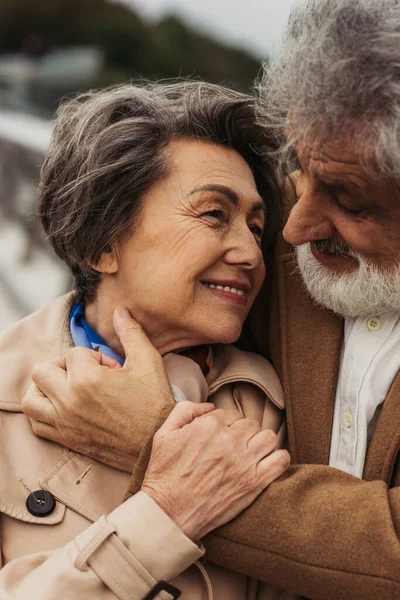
229	193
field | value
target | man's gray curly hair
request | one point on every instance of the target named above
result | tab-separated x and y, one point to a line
337	78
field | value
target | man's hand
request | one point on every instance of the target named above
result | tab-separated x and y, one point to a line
88	403
208	465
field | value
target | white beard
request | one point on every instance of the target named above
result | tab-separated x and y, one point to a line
366	291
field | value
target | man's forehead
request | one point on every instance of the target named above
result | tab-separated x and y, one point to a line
342	153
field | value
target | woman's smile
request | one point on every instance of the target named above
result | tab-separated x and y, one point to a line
232	291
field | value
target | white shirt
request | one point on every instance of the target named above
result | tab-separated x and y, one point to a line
369	363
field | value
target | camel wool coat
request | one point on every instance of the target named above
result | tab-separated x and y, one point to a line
94	545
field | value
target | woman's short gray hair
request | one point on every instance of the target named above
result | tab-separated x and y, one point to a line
107	150
336	77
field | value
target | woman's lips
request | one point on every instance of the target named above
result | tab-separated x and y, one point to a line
235	298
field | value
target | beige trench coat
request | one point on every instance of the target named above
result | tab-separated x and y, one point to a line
94	545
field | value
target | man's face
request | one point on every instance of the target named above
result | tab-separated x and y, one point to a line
346	227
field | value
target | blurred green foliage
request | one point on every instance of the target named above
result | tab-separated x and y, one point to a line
132	47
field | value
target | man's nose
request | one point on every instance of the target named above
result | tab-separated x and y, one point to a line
308	220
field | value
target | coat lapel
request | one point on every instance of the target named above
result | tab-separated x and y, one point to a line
310	344
385	442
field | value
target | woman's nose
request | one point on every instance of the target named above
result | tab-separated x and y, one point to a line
308	220
244	250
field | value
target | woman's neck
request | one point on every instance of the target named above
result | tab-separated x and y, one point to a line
99	315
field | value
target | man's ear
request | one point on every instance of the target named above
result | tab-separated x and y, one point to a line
108	262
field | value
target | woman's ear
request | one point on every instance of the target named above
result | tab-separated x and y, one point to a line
108	262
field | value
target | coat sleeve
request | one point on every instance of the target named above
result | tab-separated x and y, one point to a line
120	556
321	533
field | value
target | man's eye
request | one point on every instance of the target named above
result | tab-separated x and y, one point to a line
297	164
352	211
340	193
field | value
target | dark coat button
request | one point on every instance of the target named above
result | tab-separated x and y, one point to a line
40	503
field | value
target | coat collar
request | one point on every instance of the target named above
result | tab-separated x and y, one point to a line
233	365
385	443
305	345
311	340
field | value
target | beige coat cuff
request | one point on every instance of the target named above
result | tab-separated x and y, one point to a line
153	538
134	547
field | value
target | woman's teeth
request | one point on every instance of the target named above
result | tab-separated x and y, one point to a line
225	288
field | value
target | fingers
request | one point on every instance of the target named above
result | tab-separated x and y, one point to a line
137	346
107	361
46	431
230	417
58	362
263	443
48	376
102	359
83	361
272	467
183	414
38	407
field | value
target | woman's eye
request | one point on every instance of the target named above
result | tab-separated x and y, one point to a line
215	214
257	231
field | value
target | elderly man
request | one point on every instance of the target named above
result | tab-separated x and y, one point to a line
330	527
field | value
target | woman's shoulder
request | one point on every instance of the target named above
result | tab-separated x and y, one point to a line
40	336
234	366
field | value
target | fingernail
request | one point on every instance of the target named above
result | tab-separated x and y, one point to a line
124	312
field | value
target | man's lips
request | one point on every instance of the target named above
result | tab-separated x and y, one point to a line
325	257
322	256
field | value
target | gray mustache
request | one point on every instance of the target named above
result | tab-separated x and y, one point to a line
331	247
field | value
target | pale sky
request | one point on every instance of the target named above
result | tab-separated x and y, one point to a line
253	24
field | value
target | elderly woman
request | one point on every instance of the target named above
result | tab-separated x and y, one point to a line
160	199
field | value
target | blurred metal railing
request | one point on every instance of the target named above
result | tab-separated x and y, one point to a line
30	274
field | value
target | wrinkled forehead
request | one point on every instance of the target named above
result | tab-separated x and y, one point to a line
337	149
354	145
338	157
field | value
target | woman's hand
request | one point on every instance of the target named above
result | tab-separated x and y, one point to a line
88	403
208	465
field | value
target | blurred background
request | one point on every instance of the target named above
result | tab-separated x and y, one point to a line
50	49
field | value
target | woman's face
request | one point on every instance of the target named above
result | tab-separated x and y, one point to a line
193	266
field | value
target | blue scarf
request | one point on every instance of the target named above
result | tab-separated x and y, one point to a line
83	335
